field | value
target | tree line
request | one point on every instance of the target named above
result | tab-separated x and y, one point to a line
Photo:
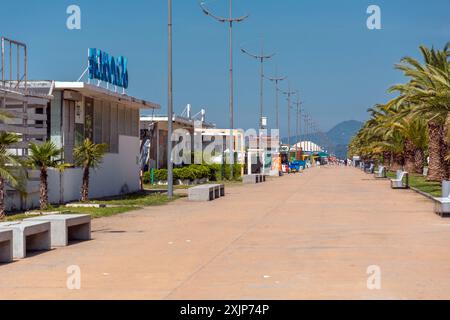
412	130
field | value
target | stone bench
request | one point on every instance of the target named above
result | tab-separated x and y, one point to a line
207	192
67	227
397	183
253	178
6	246
381	173
442	204
28	236
369	169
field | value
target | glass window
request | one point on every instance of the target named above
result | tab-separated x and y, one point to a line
106	125
89	119
97	121
114	147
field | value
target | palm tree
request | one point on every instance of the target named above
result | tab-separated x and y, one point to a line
44	156
8	167
88	155
429	92
414	130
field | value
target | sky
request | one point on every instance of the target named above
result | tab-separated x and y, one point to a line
340	67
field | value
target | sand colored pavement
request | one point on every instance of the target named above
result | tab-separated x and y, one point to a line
304	236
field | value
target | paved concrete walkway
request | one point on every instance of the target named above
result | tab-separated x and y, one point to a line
302	236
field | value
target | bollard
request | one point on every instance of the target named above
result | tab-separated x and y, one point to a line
152	176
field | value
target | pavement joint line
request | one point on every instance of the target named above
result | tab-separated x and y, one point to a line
245	232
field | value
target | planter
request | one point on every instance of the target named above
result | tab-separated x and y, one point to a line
162	183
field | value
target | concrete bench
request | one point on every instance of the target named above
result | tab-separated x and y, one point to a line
381	173
442	205
370	169
253	178
398	183
67	227
28	236
207	192
6	246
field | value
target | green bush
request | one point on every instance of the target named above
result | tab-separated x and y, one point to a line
161	175
146	177
213	172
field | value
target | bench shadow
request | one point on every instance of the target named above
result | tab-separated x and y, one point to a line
34	253
75	242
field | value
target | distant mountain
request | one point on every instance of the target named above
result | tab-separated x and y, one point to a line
343	133
337	139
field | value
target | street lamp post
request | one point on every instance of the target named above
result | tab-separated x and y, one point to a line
297	124
230	21
277	80
262	57
289	93
170	106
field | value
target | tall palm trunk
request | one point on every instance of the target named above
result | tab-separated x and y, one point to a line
2	198
85	186
398	162
43	189
436	165
386	158
419	159
446	147
410	151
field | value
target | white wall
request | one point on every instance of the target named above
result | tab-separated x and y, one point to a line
118	173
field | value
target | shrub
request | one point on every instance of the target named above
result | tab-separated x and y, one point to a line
161	175
146	177
215	172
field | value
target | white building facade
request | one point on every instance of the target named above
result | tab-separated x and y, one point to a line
78	111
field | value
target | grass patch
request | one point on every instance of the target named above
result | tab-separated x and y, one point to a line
420	182
140	199
121	204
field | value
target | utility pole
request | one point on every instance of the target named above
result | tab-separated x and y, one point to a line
297	128
170	108
230	21
261	57
277	80
289	93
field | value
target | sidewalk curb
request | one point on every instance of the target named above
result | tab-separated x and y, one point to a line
427	195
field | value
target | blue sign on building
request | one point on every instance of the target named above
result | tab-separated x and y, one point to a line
107	68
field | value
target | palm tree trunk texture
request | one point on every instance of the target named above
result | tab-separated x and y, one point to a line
43	189
436	165
398	162
419	159
85	186
446	147
410	151
386	159
2	198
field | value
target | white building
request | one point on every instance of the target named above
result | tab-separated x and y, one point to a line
307	146
77	111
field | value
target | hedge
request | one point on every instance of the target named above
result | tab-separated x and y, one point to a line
214	172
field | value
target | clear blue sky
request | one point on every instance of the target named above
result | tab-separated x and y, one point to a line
324	46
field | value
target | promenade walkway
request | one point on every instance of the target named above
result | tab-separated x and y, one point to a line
305	236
